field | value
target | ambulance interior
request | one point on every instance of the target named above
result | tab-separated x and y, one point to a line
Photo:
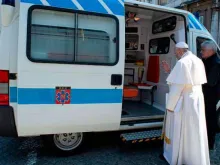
150	39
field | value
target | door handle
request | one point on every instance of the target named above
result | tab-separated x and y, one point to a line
116	79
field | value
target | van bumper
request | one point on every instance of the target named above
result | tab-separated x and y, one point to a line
7	122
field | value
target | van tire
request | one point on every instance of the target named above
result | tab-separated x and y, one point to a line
67	143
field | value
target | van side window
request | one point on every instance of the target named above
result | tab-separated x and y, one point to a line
159	45
199	41
164	25
62	37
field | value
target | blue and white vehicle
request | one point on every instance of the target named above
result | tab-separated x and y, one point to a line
70	67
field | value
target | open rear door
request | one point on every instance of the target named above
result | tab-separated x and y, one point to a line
70	73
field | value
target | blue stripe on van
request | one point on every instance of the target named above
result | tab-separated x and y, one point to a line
37	2
115	7
78	96
195	22
93	6
190	25
13	94
88	5
68	4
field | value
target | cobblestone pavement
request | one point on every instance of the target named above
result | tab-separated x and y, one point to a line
103	149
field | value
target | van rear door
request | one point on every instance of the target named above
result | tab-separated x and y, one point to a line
69	71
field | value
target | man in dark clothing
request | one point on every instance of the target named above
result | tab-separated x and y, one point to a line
211	88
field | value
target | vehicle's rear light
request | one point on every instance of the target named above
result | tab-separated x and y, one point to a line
4	84
3	76
4	99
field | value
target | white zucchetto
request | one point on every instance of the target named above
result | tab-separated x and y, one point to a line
182	45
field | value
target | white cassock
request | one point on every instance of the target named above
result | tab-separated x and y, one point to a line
184	131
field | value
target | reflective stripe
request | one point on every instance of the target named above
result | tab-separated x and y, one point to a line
44	2
121	2
3	88
105	6
100	6
115	6
194	22
93	6
68	4
191	25
77	4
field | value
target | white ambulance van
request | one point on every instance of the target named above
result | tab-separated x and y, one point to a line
70	67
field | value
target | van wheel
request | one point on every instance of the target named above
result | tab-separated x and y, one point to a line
66	143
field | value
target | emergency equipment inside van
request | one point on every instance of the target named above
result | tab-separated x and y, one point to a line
150	38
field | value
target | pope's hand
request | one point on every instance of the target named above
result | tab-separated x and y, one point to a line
166	66
169	110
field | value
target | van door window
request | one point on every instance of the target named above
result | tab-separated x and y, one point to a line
62	37
50	43
96	39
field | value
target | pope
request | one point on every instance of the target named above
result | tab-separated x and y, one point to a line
184	131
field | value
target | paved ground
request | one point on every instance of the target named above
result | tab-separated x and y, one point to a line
102	149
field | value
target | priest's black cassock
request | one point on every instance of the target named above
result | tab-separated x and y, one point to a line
211	91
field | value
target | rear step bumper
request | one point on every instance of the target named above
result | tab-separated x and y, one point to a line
7	122
143	136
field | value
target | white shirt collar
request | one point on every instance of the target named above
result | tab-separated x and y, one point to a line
185	54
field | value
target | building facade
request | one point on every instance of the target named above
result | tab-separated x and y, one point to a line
149	1
207	12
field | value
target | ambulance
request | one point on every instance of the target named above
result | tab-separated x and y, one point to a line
72	67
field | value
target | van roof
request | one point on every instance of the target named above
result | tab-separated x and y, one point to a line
156	7
115	7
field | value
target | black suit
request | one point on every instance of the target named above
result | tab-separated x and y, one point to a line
211	95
